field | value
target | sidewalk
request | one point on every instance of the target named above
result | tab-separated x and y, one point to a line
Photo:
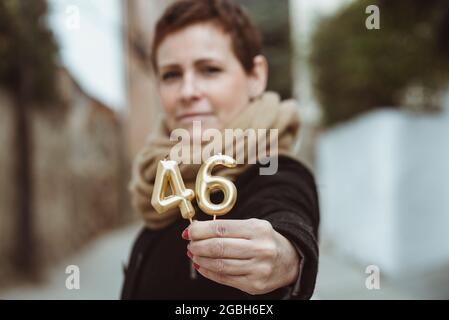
341	278
100	264
101	276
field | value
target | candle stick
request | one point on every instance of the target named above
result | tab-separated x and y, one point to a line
205	183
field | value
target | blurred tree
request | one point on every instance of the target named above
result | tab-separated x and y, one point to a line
273	22
28	51
357	70
28	71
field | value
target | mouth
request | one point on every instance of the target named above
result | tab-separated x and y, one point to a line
191	116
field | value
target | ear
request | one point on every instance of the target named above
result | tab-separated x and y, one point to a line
258	77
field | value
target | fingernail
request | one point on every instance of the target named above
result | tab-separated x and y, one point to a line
189	254
185	234
196	266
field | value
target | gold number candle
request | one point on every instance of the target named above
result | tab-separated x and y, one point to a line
168	173
205	183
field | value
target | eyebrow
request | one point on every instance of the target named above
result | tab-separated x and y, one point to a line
197	62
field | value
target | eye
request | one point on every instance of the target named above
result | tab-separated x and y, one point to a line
211	70
170	75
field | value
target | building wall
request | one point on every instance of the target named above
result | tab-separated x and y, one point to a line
143	102
79	176
384	190
7	194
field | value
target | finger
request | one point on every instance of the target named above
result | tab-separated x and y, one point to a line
232	267
222	228
237	282
222	248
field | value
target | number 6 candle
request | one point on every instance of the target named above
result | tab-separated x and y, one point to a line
205	183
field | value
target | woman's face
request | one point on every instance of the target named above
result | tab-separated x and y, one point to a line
201	79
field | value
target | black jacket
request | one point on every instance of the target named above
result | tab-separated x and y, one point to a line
159	268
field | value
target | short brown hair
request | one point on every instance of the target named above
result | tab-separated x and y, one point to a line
245	37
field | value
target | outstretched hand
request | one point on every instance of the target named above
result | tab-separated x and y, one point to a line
245	254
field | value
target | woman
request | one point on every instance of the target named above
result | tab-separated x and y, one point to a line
207	57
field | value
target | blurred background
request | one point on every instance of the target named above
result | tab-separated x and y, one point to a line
78	99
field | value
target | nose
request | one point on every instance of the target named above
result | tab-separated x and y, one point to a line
189	88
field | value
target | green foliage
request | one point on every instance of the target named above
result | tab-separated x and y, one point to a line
28	51
356	69
272	19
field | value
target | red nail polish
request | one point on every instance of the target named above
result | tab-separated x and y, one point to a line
185	234
196	266
189	254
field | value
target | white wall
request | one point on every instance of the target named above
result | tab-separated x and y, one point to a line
384	190
90	37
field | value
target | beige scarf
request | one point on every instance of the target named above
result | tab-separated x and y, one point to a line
266	112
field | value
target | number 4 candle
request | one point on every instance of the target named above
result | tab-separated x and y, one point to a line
168	172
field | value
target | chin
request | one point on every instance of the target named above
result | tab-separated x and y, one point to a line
204	125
